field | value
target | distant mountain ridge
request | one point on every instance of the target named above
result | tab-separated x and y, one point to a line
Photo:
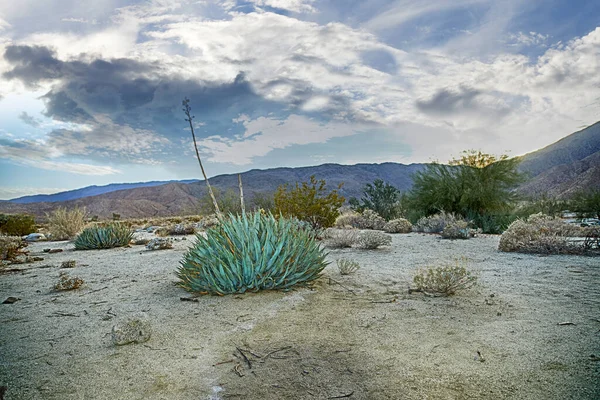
560	169
89	191
565	167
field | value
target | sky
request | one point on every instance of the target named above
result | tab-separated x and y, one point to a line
91	91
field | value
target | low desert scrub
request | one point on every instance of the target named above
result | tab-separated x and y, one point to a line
68	264
370	220
66	282
444	280
65	224
399	225
347	266
160	244
434	223
541	234
458	229
11	247
370	240
348	220
104	237
17	224
174	230
340	238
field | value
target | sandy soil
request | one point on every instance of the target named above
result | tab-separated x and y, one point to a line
367	339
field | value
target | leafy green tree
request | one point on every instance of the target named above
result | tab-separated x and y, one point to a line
587	204
380	197
310	202
474	184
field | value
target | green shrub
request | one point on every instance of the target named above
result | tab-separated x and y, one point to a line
399	225
64	224
11	247
104	237
444	280
17	224
309	202
347	266
371	240
492	223
380	197
251	252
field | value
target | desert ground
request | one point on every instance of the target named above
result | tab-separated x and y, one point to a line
529	329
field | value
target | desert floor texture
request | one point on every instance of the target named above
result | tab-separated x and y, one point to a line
530	329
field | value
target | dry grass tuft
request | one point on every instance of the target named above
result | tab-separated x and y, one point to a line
340	238
371	240
347	266
65	224
444	280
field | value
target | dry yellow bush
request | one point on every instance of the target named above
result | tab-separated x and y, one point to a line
65	224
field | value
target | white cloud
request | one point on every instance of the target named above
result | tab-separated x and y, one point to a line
290	5
263	135
7	193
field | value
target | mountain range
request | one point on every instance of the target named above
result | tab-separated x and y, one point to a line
559	170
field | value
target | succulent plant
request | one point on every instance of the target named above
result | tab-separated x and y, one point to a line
251	252
104	237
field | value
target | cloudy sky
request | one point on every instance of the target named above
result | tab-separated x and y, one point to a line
91	91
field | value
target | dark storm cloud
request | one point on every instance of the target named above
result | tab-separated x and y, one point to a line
32	64
447	102
29	119
122	101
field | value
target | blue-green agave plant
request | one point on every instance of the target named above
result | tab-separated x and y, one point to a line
103	237
251	252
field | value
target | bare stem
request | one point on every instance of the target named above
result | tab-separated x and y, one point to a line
241	193
187	110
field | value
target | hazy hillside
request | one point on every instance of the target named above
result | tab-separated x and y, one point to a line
88	191
567	166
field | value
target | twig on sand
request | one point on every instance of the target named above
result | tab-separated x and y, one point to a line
191	299
62	314
224	362
277	351
93	291
342	396
334	281
246	359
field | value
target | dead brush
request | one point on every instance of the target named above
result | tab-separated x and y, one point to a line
540	234
11	247
65	224
444	280
347	266
66	282
340	238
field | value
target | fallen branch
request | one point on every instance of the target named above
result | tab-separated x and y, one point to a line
342	396
334	281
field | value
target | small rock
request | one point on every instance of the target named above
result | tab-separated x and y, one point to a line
160	244
35	237
52	251
134	330
11	300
